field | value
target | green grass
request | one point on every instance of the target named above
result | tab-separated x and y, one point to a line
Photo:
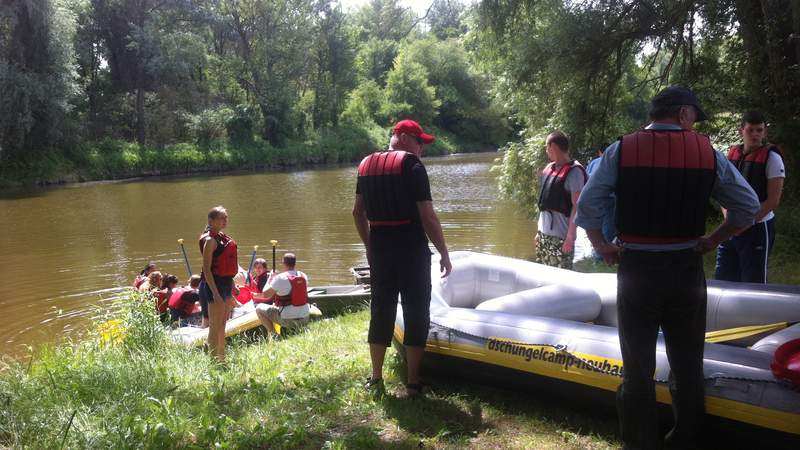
302	392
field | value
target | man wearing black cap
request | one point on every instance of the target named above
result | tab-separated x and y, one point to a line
394	215
663	177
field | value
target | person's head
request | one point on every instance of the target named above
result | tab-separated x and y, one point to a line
217	218
260	266
289	261
154	279
407	135
194	281
677	105
557	146
753	129
148	268
169	281
602	148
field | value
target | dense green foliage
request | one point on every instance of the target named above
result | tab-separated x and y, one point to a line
223	84
590	68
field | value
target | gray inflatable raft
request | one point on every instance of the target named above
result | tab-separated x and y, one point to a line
562	324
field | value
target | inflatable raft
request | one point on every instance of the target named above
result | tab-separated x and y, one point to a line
324	300
528	320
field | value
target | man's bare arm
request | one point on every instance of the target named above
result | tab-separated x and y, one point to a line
433	228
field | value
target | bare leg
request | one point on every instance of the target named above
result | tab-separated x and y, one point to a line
377	353
414	360
217	316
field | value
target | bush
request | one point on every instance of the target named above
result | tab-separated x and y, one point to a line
209	126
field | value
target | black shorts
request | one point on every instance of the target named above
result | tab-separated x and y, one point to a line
224	286
403	270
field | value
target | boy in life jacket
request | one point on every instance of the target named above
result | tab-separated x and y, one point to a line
560	184
183	304
744	257
290	289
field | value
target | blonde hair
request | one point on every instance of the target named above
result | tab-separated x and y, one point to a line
214	213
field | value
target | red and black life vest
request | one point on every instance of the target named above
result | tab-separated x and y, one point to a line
298	296
663	186
753	166
387	195
183	300
553	194
225	261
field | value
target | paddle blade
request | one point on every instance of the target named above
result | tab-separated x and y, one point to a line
245	295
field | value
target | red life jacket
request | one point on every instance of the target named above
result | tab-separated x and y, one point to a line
663	186
225	261
298	296
162	302
553	194
753	166
387	197
138	281
183	301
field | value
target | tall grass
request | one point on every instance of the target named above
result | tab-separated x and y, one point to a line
143	391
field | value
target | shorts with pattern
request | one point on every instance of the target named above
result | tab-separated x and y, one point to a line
549	251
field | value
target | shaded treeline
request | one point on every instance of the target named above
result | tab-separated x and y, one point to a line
590	68
228	83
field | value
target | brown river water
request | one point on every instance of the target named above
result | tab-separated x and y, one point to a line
69	250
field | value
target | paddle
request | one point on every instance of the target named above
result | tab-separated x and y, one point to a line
252	260
731	334
185	258
274	244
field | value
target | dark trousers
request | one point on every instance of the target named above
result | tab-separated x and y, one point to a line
399	266
666	290
744	257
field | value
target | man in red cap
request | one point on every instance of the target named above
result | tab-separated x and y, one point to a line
394	215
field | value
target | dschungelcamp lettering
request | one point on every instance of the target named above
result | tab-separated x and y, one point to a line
532	353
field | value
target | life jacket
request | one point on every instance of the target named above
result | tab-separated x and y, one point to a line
138	281
664	186
260	281
162	302
553	194
753	166
182	300
387	196
298	296
225	261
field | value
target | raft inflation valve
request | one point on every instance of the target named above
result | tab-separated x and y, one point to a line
786	362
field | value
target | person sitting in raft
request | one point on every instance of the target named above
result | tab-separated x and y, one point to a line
152	283
184	308
142	277
168	285
290	290
261	274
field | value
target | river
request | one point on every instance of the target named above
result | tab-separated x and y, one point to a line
69	251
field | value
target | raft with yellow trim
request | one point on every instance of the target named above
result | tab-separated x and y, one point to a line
323	300
495	315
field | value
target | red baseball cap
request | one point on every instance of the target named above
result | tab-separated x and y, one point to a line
410	127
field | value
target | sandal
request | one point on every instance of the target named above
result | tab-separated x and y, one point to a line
373	383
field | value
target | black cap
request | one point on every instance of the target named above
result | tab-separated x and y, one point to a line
678	95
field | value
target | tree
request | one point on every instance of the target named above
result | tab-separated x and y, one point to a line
36	77
408	94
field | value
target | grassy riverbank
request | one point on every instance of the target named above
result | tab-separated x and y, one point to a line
302	392
114	159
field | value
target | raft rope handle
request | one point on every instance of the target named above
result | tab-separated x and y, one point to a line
562	348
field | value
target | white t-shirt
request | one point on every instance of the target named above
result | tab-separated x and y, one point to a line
553	223
283	287
775	169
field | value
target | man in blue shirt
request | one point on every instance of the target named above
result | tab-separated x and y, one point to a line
663	177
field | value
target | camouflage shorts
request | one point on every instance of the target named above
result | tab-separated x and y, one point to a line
548	251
